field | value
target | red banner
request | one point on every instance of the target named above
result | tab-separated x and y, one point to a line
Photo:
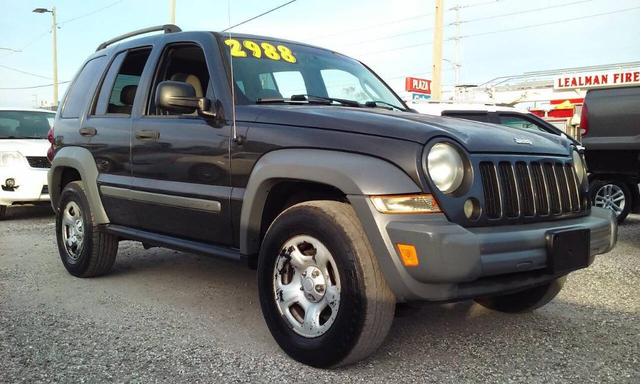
416	85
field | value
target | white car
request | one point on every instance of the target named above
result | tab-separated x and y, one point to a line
23	156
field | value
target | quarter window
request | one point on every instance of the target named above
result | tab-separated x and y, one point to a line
83	85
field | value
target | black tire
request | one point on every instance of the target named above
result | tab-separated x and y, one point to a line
597	184
97	254
3	212
523	301
367	304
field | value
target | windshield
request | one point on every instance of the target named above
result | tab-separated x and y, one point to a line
267	70
25	124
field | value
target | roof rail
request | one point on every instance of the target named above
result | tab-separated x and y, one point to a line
167	28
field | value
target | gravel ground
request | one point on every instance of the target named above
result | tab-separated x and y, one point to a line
165	316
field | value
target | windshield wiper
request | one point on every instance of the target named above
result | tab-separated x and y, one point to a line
309	99
313	98
385	104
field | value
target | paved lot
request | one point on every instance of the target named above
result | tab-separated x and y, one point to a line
165	316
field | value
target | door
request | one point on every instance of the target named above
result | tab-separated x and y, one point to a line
107	132
181	162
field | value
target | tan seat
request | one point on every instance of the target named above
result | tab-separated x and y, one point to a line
193	80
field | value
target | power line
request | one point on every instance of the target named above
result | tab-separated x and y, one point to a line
502	30
388	37
521	12
35	86
257	16
24	72
548	23
90	13
31	42
475	5
369	26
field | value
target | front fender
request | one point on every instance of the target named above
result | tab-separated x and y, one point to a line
351	173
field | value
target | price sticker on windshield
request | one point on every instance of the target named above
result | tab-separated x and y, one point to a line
264	50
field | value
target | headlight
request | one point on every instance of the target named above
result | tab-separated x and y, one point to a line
11	159
579	166
445	167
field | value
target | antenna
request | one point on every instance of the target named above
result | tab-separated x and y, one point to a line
234	132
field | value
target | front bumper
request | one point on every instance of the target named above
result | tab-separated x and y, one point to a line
457	262
31	186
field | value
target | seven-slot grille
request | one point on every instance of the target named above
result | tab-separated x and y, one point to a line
38	162
529	189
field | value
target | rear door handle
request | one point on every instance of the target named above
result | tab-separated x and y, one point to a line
87	131
147	135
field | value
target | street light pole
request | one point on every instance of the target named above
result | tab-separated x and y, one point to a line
54	27
437	50
54	30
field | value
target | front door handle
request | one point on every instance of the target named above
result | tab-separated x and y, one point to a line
87	131
147	135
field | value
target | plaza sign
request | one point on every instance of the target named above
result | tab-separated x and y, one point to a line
416	85
597	79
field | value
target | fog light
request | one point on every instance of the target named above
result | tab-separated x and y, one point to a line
10	182
471	208
408	254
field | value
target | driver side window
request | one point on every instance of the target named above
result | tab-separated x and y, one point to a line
185	63
343	85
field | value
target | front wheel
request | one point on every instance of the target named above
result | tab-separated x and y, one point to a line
3	211
323	296
523	301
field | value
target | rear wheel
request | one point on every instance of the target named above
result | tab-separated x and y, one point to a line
85	251
614	195
323	296
524	301
3	211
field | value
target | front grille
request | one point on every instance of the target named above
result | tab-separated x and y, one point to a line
528	190
38	162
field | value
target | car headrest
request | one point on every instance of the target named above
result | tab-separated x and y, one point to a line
128	94
193	80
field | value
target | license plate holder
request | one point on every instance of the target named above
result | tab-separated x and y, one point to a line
568	249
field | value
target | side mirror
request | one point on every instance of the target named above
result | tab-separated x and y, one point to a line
180	97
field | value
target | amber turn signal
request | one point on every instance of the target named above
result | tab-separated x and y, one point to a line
408	254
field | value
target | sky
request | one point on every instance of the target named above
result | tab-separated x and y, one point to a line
394	38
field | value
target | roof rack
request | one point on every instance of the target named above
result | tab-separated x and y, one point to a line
167	28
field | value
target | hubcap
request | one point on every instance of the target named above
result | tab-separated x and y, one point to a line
72	230
610	196
307	286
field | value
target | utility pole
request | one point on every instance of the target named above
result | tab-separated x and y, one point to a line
437	52
54	29
172	11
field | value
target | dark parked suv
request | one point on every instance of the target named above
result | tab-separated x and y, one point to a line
303	163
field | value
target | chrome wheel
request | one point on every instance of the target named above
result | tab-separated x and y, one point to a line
72	230
610	196
307	286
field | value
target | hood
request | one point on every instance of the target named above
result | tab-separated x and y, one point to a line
474	136
28	147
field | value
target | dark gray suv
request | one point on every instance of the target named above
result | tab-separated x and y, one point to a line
304	164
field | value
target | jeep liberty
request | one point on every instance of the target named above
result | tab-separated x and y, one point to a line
304	164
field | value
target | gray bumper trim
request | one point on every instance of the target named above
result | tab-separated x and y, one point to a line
454	260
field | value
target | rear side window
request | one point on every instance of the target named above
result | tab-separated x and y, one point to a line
121	82
82	87
476	116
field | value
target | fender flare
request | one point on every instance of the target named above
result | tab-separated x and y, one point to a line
82	161
351	173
